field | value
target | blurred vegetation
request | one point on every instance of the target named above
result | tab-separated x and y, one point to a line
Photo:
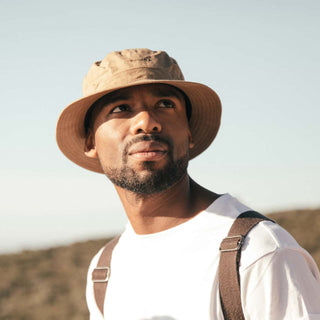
46	284
50	284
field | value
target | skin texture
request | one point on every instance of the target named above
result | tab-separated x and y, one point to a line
142	139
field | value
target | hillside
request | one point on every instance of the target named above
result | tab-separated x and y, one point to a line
50	284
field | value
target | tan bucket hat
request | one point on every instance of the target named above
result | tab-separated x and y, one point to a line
131	67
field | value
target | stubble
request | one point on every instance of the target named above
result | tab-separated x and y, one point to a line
150	180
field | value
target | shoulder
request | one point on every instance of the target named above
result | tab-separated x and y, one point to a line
277	270
264	239
94	262
268	241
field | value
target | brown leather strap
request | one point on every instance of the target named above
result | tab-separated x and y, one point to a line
101	274
229	278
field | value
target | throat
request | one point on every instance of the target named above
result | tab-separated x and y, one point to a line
161	211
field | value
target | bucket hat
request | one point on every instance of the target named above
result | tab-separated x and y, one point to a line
132	67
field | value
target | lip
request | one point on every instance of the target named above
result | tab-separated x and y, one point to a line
148	151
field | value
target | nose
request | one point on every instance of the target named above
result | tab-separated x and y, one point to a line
145	122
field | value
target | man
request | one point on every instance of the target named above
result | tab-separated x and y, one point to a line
140	123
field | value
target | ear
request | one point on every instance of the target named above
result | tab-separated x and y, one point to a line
90	149
191	143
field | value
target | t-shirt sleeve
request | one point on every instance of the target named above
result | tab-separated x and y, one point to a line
95	313
284	284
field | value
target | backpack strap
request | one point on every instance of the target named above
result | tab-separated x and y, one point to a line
230	253
101	273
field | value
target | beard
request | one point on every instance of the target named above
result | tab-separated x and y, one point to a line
152	180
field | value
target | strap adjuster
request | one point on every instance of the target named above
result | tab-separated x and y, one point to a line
232	239
100	274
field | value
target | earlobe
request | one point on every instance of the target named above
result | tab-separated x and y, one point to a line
90	149
191	143
92	153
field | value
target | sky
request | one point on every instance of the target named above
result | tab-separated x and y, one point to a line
261	57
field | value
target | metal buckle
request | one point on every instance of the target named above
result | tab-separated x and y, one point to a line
239	243
106	279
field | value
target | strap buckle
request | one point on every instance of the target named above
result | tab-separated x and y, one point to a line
239	243
100	274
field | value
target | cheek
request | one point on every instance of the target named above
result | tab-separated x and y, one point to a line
180	136
183	145
108	143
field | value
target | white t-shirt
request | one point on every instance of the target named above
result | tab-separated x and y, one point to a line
172	275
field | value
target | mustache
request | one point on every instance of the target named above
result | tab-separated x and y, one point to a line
148	137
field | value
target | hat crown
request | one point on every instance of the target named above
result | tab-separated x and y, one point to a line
121	68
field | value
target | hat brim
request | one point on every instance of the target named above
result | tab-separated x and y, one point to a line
204	123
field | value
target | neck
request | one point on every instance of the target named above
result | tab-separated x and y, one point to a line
164	210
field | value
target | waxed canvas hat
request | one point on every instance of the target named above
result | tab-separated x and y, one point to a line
131	67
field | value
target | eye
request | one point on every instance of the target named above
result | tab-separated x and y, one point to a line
166	104
120	108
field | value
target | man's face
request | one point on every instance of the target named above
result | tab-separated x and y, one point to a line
141	137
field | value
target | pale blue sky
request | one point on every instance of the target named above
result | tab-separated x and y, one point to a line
261	57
